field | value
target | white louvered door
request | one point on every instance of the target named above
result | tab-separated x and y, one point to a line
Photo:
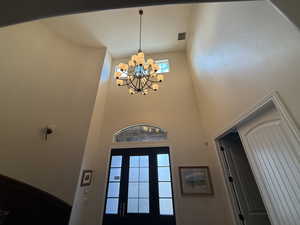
274	155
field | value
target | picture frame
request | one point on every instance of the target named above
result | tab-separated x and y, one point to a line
195	180
86	178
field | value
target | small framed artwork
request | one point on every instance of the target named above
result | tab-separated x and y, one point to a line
86	178
195	180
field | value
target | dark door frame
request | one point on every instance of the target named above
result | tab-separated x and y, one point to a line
225	145
230	187
153	184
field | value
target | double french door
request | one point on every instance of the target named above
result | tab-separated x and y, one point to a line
139	189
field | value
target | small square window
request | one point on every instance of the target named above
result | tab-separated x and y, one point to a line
164	66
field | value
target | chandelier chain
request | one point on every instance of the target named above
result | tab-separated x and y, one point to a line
141	14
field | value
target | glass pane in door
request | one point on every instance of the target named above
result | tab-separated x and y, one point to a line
139	188
138	185
164	185
113	191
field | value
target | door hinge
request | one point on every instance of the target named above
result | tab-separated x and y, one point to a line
241	217
222	149
230	178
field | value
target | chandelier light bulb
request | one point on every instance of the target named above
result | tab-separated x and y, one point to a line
150	62
120	66
140	61
160	78
123	67
134	58
120	82
156	67
131	91
154	76
118	75
155	87
141	55
131	63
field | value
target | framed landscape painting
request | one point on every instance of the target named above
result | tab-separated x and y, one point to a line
195	180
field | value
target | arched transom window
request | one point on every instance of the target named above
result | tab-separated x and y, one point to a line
140	133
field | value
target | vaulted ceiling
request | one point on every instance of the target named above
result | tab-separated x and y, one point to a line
16	11
118	30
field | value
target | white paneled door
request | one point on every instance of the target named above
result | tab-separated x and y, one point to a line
244	186
274	155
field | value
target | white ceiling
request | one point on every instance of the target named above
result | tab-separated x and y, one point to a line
118	29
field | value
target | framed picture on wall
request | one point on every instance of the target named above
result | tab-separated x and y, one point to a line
195	180
86	178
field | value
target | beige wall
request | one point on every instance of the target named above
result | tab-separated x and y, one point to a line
87	198
45	80
240	52
173	108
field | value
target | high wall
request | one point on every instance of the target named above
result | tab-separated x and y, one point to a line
86	201
174	109
45	80
239	53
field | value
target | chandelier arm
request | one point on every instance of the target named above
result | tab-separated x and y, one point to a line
143	85
122	85
146	82
139	83
153	81
149	86
133	85
127	84
150	74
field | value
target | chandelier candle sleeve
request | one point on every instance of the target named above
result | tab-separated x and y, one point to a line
139	75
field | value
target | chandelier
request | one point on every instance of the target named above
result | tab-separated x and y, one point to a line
139	76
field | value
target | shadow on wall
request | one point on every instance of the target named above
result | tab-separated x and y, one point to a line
21	203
